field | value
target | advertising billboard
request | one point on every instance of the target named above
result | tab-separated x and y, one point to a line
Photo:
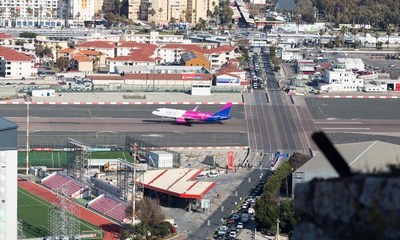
191	76
228	80
230	160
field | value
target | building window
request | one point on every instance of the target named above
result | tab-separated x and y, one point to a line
3	201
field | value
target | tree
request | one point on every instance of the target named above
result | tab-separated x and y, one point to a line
172	21
216	15
321	33
298	159
147	210
201	24
110	17
389	33
183	16
152	12
276	61
39	51
48	53
78	15
63	63
287	216
27	35
160	11
377	36
267	211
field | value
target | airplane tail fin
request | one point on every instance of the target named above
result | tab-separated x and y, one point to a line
225	109
195	109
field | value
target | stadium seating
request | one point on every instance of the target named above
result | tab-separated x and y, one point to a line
57	182
109	207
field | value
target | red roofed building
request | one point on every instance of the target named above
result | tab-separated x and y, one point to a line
172	52
231	69
136	57
15	64
125	48
82	63
220	55
6	39
106	47
216	56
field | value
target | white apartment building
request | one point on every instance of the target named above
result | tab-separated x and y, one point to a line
16	65
172	52
8	180
219	56
156	38
30	13
80	10
341	82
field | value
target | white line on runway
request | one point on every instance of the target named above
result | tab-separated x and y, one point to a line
337	122
346	128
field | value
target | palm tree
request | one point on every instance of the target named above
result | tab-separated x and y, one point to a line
160	11
53	12
389	33
152	12
40	14
2	10
321	33
172	21
78	15
364	31
377	36
194	16
183	16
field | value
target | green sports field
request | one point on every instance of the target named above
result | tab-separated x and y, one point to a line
33	212
58	159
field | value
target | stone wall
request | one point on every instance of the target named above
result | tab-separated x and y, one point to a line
359	207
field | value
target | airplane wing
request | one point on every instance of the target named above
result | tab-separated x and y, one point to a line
195	109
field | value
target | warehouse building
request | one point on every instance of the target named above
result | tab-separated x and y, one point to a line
362	157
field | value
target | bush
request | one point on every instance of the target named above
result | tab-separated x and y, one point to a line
277	68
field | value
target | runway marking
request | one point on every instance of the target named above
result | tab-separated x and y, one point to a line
120	103
346	128
337	122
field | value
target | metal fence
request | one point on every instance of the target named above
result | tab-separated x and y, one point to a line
136	88
146	147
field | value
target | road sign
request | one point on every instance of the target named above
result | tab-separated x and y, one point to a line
281	155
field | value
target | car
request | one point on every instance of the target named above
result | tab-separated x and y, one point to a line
41	74
239	225
213	174
392	65
250	211
77	78
32	83
232	234
200	176
235	217
62	83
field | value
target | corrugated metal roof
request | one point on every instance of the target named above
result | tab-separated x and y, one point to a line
361	157
6	124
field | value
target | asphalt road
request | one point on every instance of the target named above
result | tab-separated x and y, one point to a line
381	109
244	189
106	111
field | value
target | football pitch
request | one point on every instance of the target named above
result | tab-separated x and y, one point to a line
33	212
58	159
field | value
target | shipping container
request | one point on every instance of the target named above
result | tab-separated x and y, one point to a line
161	159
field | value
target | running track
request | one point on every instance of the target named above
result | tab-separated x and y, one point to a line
111	230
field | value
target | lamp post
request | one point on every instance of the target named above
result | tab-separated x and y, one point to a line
27	133
154	72
135	147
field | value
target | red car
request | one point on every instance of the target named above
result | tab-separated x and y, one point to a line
62	83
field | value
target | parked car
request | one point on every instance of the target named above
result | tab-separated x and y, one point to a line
239	225
232	234
201	176
213	174
235	217
41	74
392	65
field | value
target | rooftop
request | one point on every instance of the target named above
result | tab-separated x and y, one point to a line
177	182
12	55
361	157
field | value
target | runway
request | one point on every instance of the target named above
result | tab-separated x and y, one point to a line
109	125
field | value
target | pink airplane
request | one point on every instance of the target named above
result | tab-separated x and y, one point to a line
189	116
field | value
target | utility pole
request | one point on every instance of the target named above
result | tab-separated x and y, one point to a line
135	147
27	133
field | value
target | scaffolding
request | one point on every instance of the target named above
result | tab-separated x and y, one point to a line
20	228
78	156
63	219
